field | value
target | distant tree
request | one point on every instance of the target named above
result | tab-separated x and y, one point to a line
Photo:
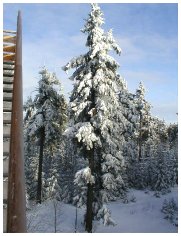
158	165
143	112
30	151
137	112
129	110
67	166
149	141
48	122
93	112
161	171
173	144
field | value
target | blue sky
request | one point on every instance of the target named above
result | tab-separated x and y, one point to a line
147	34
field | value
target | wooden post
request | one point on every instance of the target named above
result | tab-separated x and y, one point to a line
16	207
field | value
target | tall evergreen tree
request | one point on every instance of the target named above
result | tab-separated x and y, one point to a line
48	122
30	151
137	111
143	111
94	113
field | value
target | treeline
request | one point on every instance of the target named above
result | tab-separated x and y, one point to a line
103	142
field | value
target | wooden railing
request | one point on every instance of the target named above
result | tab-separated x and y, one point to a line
16	202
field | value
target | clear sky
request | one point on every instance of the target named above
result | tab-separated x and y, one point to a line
147	34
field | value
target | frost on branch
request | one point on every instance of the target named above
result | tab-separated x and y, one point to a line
84	174
38	122
110	162
112	42
109	181
75	62
86	135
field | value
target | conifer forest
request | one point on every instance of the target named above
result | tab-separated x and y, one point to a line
99	150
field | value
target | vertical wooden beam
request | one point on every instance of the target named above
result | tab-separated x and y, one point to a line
16	211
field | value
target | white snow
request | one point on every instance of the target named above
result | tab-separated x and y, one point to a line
86	135
86	175
142	216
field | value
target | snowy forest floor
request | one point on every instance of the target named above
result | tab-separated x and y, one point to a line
142	216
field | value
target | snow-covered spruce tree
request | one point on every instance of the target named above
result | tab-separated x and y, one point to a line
173	141
137	162
94	110
158	165
51	175
48	122
126	125
137	112
161	179
143	112
129	109
30	152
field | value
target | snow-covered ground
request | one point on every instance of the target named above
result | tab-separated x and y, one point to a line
142	216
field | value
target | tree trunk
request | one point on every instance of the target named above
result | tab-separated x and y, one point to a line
140	139
89	213
99	173
39	187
